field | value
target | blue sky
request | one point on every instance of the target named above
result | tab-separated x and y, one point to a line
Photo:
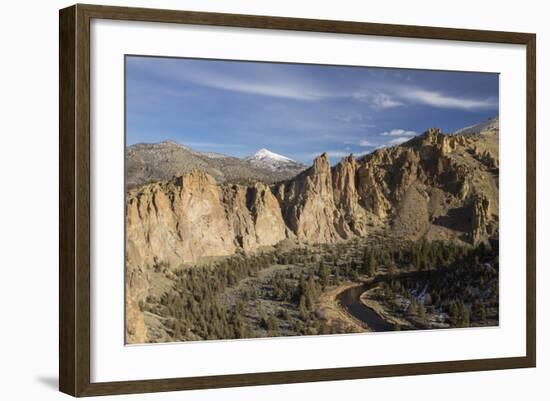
297	110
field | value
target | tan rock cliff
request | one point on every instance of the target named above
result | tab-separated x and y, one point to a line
434	186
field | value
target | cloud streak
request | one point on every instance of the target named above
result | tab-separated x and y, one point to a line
266	81
388	97
377	99
269	81
366	143
399	132
441	100
398	140
397	136
263	89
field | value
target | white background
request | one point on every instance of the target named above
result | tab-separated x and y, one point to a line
28	201
111	361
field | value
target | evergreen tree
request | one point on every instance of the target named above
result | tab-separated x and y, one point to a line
368	265
483	314
413	307
465	318
324	275
421	311
303	308
272	325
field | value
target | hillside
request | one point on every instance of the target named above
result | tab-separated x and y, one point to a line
491	125
152	162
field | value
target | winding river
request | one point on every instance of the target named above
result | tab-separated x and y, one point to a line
350	300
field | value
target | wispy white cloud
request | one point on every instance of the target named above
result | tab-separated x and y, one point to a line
258	88
398	140
376	98
390	96
270	83
384	101
380	93
442	100
366	143
399	132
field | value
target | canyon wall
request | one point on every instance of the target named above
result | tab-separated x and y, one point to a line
432	186
435	186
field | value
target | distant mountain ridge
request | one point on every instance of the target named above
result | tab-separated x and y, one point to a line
491	124
151	162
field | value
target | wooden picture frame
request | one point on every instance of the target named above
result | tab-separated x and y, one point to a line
74	199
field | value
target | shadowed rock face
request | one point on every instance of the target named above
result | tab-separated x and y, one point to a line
434	186
308	204
254	216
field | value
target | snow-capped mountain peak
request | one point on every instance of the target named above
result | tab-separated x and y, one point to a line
264	154
266	159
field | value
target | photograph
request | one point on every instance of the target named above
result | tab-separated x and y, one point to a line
267	199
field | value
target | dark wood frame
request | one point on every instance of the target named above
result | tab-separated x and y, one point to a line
74	199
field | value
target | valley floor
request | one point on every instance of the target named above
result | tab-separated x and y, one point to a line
361	285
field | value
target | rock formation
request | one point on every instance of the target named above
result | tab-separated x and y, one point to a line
434	186
137	287
177	221
254	216
191	216
307	202
480	218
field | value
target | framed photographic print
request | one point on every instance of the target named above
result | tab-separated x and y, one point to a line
250	200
